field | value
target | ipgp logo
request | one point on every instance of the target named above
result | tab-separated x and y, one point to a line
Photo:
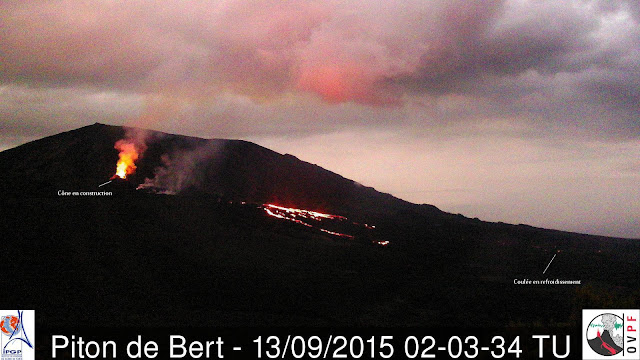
17	334
610	334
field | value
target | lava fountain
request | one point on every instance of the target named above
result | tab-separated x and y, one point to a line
129	154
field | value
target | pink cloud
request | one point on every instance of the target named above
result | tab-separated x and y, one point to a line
368	52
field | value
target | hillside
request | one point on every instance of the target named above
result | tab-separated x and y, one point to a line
212	251
233	169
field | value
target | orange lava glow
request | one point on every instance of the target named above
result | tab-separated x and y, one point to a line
307	214
127	158
296	215
337	234
308	217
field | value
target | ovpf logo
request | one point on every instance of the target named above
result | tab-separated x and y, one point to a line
610	334
17	338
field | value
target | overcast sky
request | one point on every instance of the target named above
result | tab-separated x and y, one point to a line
516	111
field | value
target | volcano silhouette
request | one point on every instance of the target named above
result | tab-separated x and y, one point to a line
234	169
211	251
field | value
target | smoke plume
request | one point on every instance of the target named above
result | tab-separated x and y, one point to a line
181	170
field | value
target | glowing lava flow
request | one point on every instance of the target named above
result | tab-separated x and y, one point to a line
292	214
271	213
128	156
337	234
312	218
307	214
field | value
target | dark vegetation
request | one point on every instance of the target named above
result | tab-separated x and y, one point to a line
150	259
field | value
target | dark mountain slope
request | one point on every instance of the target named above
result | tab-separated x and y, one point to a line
236	170
85	259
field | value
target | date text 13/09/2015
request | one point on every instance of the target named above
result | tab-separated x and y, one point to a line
412	347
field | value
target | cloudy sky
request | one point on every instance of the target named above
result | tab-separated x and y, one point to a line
516	111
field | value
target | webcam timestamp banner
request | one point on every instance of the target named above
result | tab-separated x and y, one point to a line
603	334
311	343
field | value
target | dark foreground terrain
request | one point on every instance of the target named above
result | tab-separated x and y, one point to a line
202	258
